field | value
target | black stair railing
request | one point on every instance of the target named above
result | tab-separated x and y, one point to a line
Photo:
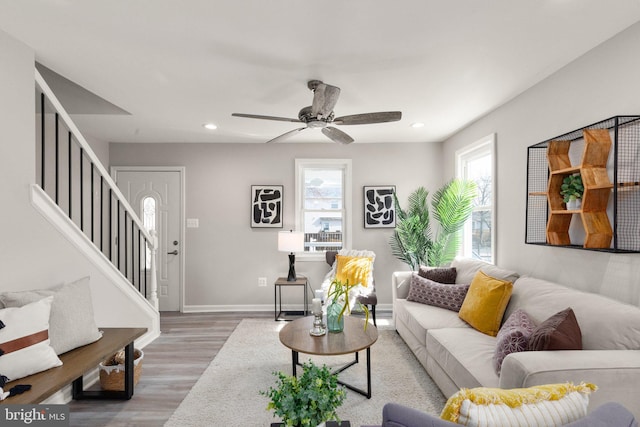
72	175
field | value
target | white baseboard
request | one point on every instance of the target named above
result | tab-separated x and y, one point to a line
256	308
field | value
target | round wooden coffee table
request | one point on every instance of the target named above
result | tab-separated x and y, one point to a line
354	338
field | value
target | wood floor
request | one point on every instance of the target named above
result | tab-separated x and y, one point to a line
171	366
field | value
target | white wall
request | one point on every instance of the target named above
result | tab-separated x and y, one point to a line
602	83
225	256
33	254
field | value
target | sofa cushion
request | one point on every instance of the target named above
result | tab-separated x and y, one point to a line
464	354
438	274
419	318
513	337
485	303
541	299
24	340
559	332
72	322
428	292
538	406
466	269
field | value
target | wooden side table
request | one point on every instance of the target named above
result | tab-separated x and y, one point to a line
277	297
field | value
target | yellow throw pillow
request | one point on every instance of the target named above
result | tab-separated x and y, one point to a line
543	406
485	303
354	269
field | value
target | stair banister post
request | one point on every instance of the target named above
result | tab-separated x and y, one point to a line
153	298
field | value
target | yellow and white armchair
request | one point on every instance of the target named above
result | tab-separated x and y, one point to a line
356	266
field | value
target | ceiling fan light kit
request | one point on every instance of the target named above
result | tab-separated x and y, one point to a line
320	115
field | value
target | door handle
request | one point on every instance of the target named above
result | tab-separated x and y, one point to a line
175	252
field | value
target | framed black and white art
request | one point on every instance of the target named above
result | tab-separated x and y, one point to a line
266	206
379	208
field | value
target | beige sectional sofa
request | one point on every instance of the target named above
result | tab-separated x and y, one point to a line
456	355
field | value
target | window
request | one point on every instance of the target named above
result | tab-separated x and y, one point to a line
323	203
149	222
477	163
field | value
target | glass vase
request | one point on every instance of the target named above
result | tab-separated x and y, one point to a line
335	322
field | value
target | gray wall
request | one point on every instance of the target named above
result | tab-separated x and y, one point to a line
33	254
225	256
602	83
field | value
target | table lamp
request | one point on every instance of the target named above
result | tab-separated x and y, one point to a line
291	241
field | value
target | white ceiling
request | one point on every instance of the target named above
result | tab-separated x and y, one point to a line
175	65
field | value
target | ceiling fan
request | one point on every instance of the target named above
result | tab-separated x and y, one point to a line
320	115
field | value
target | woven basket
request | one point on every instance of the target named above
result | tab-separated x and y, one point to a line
112	370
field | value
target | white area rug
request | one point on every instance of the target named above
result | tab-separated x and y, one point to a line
227	393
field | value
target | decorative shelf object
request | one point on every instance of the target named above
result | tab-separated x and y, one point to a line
603	153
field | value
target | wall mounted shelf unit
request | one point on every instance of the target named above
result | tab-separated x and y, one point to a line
607	156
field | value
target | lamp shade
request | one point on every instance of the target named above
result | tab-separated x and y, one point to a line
291	241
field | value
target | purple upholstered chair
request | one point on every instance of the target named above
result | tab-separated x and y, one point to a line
608	415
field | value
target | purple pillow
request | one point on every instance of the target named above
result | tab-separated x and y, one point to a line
513	337
440	275
559	332
428	292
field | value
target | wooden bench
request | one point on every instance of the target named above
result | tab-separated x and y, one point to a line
76	363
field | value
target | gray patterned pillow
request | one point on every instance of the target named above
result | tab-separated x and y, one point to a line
514	336
428	292
440	275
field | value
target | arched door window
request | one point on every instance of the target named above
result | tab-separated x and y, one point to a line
149	222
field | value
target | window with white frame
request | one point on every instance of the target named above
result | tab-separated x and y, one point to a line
149	221
476	162
323	203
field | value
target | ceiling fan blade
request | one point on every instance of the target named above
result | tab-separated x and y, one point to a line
324	99
368	118
286	135
337	135
256	116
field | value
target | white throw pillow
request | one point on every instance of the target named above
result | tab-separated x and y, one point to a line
24	339
538	406
72	323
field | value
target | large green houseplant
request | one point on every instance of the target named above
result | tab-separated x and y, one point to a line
309	400
414	242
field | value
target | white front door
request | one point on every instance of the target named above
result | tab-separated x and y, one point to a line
161	188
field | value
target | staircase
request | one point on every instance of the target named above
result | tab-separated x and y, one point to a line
76	194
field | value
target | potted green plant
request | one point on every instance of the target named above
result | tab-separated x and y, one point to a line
413	241
338	295
309	400
572	190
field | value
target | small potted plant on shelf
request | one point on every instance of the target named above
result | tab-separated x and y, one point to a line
571	191
309	400
338	295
